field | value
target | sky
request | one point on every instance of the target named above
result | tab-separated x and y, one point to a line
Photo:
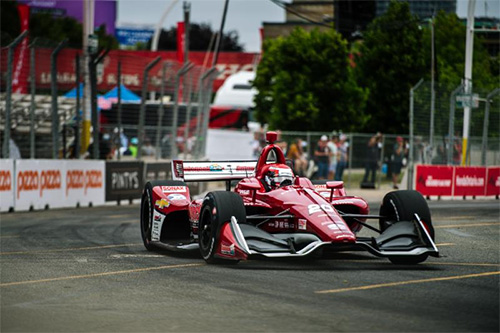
244	16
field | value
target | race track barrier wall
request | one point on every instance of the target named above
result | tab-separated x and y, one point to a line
6	185
457	181
41	184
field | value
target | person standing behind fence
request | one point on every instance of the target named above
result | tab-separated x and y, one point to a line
296	154
332	145
322	157
372	159
397	161
342	157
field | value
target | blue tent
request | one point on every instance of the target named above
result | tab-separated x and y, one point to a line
72	92
127	95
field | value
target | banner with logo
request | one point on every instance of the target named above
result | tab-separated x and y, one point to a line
493	181
6	185
443	180
124	180
85	182
469	181
21	55
41	184
434	180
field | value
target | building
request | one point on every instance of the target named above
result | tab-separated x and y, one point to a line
488	29
422	8
307	14
349	17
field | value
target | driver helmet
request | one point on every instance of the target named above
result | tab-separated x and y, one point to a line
278	176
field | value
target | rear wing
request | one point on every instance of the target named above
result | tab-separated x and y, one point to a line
200	171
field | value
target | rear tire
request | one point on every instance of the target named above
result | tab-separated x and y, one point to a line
218	208
401	206
147	209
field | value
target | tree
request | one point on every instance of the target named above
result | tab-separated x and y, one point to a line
10	26
199	39
304	82
390	62
449	34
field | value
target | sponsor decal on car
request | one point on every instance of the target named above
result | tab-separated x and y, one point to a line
170	189
244	192
342	202
302	225
176	197
227	250
315	208
162	203
157	225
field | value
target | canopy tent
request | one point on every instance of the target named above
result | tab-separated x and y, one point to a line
126	95
102	101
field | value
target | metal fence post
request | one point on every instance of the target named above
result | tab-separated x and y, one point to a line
206	108
183	70
119	96
412	141
142	112
32	101
8	94
161	110
77	113
93	62
188	112
484	144
53	88
451	125
199	111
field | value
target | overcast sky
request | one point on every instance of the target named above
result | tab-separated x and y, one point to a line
244	16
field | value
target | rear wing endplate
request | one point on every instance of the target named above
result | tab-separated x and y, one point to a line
199	171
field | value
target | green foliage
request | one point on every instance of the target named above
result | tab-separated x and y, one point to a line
199	39
47	27
10	26
391	61
449	34
304	82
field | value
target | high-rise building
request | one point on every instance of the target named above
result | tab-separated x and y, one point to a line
422	8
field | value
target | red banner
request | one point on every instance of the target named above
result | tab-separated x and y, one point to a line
434	180
21	56
493	181
133	63
469	181
442	180
181	39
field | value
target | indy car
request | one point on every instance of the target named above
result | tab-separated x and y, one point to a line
270	212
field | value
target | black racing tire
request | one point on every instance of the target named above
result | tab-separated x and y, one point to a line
147	209
217	209
401	206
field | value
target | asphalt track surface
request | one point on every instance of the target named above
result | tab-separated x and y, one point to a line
81	270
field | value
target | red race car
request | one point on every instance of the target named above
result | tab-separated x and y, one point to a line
273	213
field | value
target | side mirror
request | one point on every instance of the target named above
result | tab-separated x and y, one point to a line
336	186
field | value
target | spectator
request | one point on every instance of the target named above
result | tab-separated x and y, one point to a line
372	158
322	157
342	157
296	155
397	161
132	148
457	150
256	143
148	149
332	145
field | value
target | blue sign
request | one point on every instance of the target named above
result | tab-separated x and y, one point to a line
131	36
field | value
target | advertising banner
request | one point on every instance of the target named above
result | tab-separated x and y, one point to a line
124	180
434	180
85	183
39	184
469	181
44	184
6	185
493	181
158	171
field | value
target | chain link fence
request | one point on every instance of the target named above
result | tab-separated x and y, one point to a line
437	134
159	110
